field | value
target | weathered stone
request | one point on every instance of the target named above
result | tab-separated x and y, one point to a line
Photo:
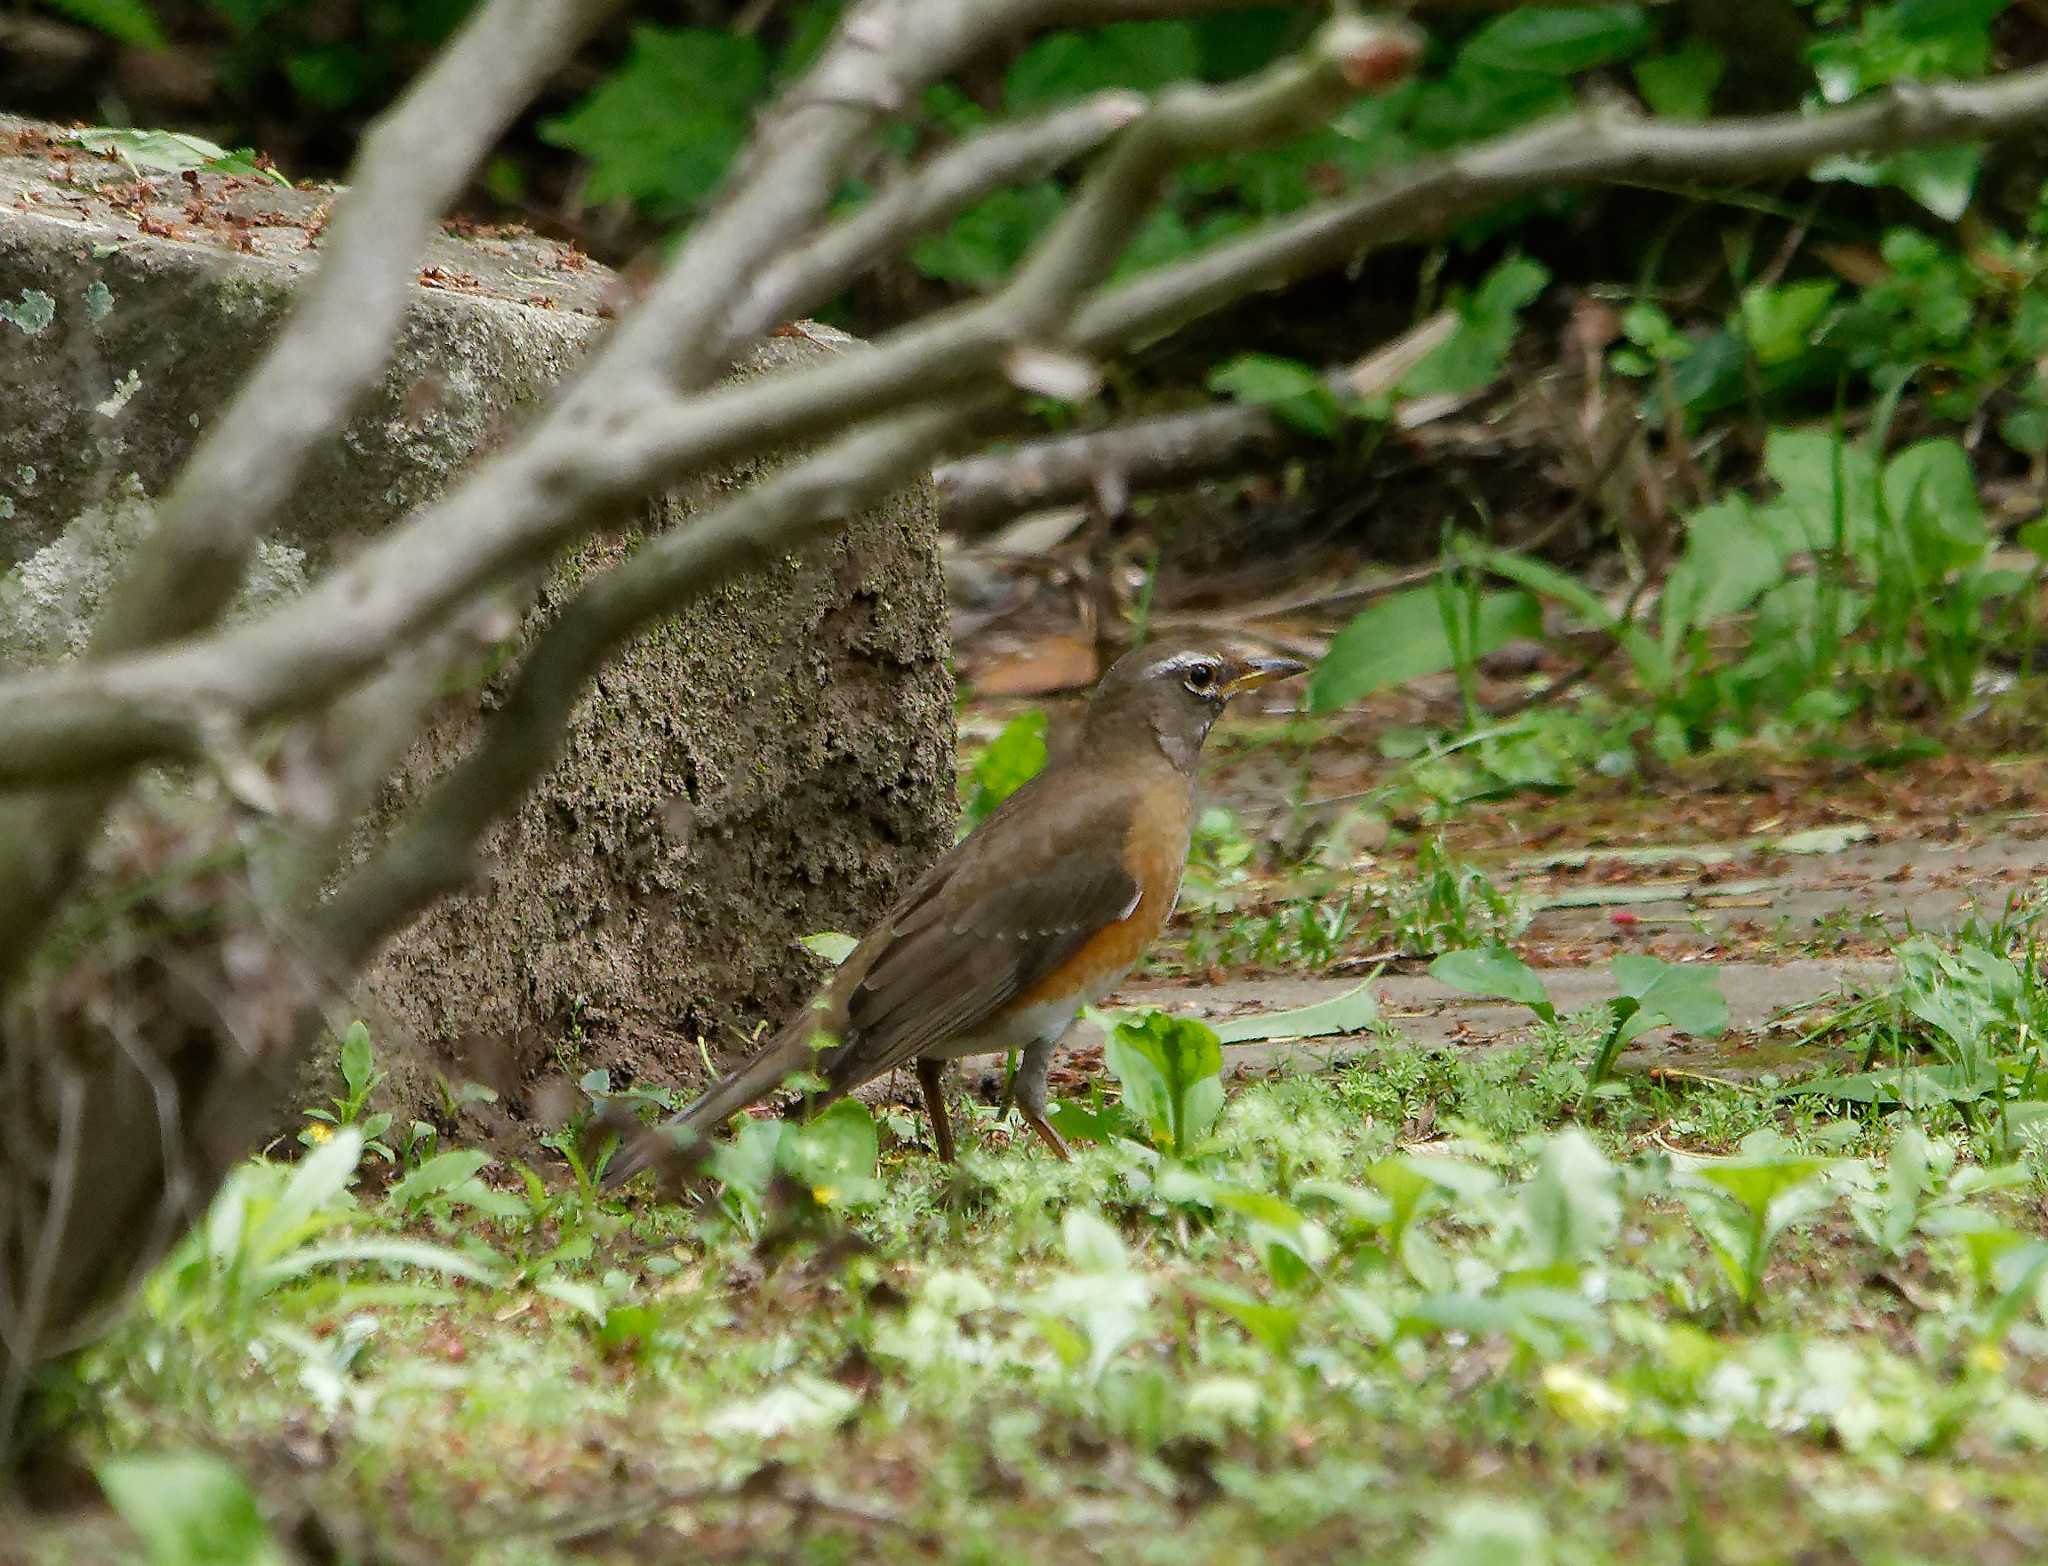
771	763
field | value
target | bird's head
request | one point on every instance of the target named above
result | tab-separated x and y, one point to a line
1174	690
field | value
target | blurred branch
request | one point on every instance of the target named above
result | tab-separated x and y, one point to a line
616	437
1163	451
434	853
412	162
70	723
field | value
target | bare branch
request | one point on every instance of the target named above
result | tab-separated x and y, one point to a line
615	438
411	164
1158	452
434	853
68	723
932	195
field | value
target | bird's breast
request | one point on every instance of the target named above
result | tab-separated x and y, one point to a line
1155	852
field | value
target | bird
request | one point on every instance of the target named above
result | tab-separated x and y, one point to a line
1038	912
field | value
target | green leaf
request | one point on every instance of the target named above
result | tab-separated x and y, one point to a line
1570	1209
442	1172
1171	1071
661	129
1490	1532
985	242
1274	1327
392	1253
188	1509
1403	638
1294	392
1012	759
831	945
1557	40
1473	355
1729	561
1350	1012
357	1060
1680	85
1494	970
1778	322
835	1153
1142	56
172	152
125	21
1686	996
1930	488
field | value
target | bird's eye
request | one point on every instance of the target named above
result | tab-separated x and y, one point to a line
1202	678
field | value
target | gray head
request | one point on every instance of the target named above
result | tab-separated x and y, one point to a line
1174	690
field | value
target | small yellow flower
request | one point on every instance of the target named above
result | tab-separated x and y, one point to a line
1987	1357
319	1131
824	1195
1582	1398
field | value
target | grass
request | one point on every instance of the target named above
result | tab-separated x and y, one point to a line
1413	1309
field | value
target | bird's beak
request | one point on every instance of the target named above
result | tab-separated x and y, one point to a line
1254	672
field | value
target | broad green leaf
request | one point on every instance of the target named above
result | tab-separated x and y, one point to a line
357	1059
1347	1013
393	1253
172	152
981	246
1557	40
1273	1326
834	1153
319	1180
1570	1209
660	130
440	1173
125	21
1728	561
832	945
1293	391
1013	758
1778	321
1171	1071
1680	85
1930	490
1494	970
1912	1087
188	1509
1686	996
1403	638
1473	355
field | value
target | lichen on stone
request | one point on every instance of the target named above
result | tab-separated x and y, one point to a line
32	314
48	602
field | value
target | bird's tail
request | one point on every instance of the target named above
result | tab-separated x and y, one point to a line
747	1084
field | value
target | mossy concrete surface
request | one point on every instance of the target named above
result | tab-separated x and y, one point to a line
773	762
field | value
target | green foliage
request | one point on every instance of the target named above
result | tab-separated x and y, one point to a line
1743	1205
173	152
1409	635
661	130
125	21
1292	391
188	1509
1653	994
1013	758
359	1079
1171	1072
1488	318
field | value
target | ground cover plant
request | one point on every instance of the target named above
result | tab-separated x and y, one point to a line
1589	1103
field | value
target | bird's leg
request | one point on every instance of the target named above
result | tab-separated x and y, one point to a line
1030	1088
931	1076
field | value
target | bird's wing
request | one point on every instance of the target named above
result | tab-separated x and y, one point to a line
1006	908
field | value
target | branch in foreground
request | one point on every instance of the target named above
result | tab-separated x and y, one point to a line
71	722
611	442
434	852
412	163
933	195
1159	452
